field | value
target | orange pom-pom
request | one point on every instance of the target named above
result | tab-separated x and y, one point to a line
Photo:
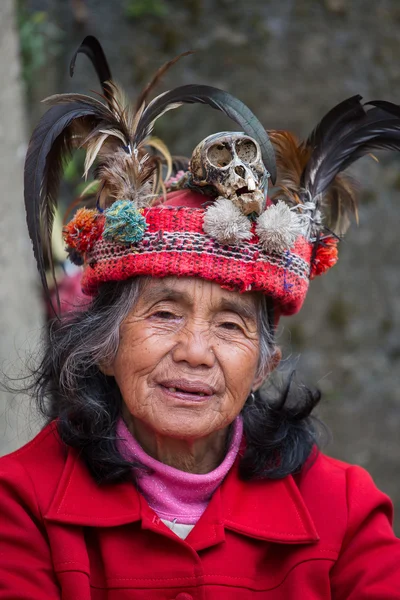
325	257
83	230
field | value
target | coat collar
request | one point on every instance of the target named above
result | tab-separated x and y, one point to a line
272	510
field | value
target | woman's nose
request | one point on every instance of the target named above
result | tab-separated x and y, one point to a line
194	348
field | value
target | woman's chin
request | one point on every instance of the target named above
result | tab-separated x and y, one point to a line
172	412
184	422
183	426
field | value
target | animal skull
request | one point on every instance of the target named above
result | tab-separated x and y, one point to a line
231	163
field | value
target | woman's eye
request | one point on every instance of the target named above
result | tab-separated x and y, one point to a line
231	326
165	314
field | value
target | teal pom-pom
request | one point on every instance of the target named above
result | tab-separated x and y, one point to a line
124	223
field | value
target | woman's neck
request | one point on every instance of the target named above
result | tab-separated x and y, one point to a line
192	456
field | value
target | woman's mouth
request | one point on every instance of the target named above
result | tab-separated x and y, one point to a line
187	390
173	390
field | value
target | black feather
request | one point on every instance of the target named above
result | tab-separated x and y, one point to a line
337	117
388	107
71	98
50	144
107	117
347	140
94	51
218	99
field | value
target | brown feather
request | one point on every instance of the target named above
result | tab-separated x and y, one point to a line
124	177
157	144
291	159
339	204
155	80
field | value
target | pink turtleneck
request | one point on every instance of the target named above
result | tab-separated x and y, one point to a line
174	495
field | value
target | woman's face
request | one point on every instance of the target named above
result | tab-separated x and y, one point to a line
187	357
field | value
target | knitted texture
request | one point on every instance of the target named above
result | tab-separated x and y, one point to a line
175	244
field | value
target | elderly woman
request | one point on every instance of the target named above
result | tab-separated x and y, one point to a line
164	472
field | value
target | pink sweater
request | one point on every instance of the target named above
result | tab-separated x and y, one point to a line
175	495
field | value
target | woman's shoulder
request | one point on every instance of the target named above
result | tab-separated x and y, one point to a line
37	466
342	490
323	469
46	444
333	475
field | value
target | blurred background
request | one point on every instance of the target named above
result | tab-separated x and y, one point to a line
290	61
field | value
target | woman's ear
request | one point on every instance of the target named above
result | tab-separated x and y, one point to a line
107	369
273	362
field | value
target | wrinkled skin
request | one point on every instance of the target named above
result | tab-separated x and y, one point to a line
192	331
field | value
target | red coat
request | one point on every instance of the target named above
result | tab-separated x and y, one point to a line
324	534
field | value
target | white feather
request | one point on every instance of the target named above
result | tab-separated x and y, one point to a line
93	149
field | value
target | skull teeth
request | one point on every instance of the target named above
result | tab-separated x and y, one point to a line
251	184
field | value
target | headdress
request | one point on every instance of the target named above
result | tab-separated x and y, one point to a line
213	218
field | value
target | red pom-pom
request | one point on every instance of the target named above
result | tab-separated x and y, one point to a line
325	257
83	230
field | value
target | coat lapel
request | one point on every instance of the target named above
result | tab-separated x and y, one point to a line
79	500
272	510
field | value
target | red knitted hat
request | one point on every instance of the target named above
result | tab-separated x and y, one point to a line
175	243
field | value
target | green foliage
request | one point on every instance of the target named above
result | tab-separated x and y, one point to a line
135	9
40	39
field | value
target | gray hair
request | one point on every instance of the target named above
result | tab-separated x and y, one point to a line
95	340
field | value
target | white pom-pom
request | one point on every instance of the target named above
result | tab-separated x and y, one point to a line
224	222
278	227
